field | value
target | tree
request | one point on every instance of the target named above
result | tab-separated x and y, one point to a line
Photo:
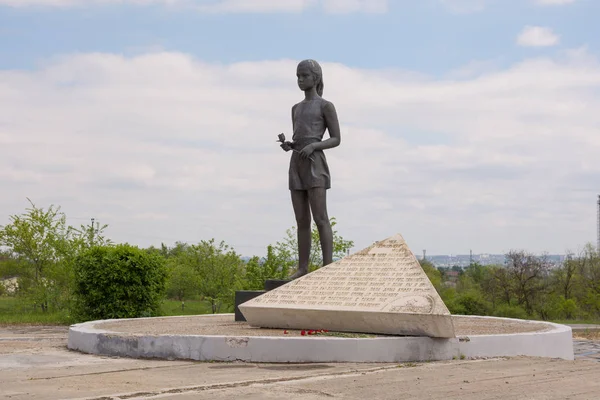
477	272
45	247
488	284
458	268
503	282
91	235
41	240
276	265
587	280
564	276
38	237
443	271
434	275
528	274
289	245
10	266
218	268
169	252
182	280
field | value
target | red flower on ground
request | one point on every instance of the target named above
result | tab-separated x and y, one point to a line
303	333
285	332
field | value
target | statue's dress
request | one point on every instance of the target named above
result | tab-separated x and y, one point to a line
309	126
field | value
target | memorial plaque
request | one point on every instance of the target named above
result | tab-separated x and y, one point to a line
381	289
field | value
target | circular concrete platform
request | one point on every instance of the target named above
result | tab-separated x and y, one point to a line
220	338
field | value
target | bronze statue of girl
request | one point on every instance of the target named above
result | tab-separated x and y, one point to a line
309	176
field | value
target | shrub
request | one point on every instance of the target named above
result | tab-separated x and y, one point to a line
509	311
549	308
569	308
118	282
470	302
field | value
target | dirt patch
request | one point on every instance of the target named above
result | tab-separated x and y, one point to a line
465	326
586	335
39	331
225	325
31	338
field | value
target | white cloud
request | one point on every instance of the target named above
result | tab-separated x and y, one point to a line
537	36
166	147
475	68
554	2
464	6
225	6
243	6
70	3
348	6
472	6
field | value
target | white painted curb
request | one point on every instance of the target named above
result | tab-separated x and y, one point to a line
556	342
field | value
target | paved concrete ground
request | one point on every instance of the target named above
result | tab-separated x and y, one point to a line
582	327
35	364
587	350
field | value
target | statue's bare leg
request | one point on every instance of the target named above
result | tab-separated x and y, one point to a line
302	210
318	205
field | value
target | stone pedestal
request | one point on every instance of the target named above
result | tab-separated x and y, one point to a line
271	284
381	289
242	296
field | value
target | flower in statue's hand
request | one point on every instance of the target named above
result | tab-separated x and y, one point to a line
287	146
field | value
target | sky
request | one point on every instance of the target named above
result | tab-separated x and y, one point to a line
466	124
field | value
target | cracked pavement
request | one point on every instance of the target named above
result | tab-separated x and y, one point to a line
35	364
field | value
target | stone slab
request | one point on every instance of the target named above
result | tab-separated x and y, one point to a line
381	289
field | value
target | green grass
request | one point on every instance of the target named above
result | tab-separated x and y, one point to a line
16	311
408	365
347	335
192	307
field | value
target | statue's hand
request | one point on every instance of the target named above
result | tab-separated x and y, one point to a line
307	151
287	146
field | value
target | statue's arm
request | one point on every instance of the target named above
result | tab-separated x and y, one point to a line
287	146
293	112
333	126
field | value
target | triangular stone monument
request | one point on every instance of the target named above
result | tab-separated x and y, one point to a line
381	289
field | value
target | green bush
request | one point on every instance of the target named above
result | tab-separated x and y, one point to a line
568	308
119	282
510	311
549	308
470	302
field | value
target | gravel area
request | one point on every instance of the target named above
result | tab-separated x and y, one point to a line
225	325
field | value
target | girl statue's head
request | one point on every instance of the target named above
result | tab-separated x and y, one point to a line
317	73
